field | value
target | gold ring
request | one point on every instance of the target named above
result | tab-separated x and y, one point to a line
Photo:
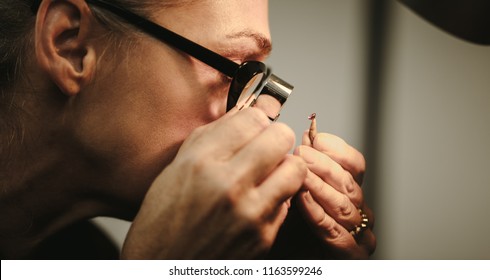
362	226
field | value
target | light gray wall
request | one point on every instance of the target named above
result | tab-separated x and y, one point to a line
318	46
434	197
433	194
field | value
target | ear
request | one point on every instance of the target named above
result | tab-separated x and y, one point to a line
62	43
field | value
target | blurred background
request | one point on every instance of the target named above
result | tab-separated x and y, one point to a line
412	98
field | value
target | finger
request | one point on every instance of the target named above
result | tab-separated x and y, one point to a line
204	129
268	203
331	172
348	157
268	104
340	208
274	224
263	153
367	240
335	236
281	184
230	113
230	133
337	205
306	138
370	215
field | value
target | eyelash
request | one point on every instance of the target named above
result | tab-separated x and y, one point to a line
225	79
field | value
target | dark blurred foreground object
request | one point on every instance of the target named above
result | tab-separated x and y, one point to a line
466	19
80	241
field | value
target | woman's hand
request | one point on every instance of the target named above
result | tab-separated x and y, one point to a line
224	196
331	197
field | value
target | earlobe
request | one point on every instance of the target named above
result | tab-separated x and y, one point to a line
62	43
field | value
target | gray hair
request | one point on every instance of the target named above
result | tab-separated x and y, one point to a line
17	22
16	31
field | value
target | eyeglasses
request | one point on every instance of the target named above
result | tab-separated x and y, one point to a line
252	82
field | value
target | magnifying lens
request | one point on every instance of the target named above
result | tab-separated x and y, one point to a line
255	85
252	83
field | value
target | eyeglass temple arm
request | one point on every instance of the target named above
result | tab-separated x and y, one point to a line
199	52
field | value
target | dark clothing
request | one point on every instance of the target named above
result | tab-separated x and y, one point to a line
80	241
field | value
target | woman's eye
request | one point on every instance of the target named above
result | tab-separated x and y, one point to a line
225	79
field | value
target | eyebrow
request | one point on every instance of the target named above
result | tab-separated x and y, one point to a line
215	60
264	44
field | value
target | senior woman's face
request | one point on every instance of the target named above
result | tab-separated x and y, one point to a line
147	104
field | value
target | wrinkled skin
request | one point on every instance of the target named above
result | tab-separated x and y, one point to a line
332	196
141	132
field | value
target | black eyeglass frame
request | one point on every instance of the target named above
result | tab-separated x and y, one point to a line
241	74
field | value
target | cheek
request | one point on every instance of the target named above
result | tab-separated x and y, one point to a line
210	92
135	123
154	134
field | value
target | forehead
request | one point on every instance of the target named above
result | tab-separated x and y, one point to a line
211	21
